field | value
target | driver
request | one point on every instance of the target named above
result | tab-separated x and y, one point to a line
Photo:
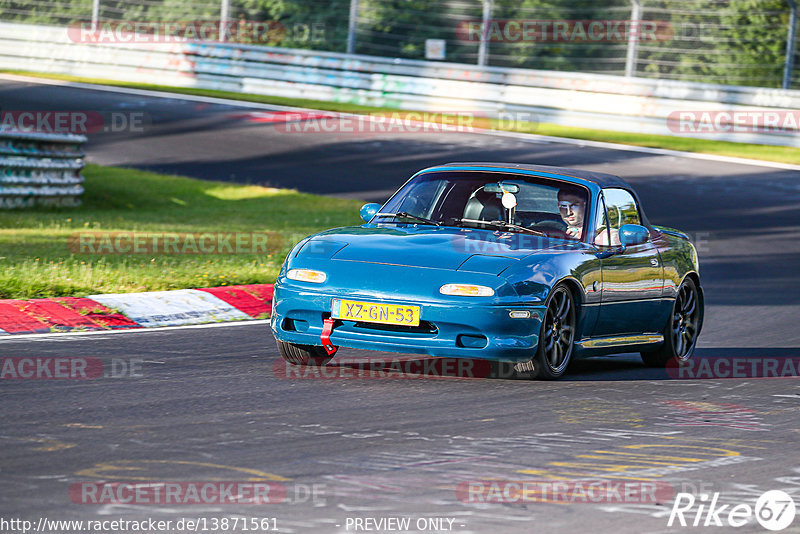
571	207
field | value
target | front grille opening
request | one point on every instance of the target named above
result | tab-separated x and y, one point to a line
471	341
425	327
295	325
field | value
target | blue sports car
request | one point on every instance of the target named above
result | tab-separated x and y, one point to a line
526	264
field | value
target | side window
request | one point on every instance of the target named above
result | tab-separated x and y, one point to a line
621	209
600	224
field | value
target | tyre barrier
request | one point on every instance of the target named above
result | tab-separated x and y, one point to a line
40	169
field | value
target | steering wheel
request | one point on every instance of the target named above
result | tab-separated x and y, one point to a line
551	228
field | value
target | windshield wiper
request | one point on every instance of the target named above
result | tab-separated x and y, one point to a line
409	216
503	224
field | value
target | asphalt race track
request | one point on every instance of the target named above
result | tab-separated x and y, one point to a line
216	404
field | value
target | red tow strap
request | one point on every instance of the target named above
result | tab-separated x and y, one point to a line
325	337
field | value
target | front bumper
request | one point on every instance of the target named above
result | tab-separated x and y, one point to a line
456	328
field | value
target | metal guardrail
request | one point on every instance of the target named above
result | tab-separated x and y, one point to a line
40	169
635	105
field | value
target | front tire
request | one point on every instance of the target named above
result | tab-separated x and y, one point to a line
682	329
303	354
556	337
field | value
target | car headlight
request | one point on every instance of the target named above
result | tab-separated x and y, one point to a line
307	275
466	290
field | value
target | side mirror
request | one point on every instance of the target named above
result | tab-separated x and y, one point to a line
629	235
633	234
368	211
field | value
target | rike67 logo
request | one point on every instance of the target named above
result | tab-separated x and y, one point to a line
774	510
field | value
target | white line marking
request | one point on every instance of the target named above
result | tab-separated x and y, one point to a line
523	136
646	150
152	93
64	336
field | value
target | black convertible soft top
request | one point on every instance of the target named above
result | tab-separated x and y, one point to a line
600	178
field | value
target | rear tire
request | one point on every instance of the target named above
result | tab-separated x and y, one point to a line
303	354
681	330
556	337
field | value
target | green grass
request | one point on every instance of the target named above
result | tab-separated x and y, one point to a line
722	148
36	261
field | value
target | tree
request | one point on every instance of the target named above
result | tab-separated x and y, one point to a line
738	42
317	24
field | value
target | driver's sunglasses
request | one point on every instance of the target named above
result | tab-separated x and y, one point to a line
567	207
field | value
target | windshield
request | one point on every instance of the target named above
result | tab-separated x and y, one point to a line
490	200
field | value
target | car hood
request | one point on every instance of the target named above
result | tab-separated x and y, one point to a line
457	249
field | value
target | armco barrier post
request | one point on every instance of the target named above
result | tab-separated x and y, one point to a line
483	50
352	25
790	45
40	169
95	14
224	11
633	39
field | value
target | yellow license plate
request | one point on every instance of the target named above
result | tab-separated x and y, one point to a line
371	312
